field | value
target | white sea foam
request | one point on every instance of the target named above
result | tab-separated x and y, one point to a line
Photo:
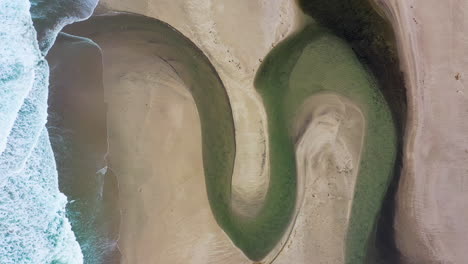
33	225
28	125
50	16
19	55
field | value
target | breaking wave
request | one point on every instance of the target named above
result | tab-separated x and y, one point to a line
33	223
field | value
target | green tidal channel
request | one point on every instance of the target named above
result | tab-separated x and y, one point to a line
310	62
315	61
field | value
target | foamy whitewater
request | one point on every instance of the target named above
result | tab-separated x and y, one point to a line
33	225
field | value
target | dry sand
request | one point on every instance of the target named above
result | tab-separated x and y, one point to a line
432	200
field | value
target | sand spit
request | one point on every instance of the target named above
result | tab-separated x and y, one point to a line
330	134
432	200
155	152
172	211
236	36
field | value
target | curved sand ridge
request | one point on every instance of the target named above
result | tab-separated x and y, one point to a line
431	217
155	150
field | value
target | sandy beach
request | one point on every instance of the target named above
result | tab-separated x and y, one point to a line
155	146
431	217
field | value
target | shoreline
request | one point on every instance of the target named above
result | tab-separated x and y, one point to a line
78	133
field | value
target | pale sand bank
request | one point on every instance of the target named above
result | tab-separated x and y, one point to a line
155	151
432	200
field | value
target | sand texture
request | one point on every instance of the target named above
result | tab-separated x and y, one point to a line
432	200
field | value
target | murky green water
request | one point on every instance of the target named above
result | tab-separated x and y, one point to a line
315	61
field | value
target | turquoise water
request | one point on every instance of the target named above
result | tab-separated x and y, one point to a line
33	223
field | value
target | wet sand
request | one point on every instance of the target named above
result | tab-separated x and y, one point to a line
431	216
78	133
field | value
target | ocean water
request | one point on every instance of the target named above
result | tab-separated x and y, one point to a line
19	55
33	223
50	16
